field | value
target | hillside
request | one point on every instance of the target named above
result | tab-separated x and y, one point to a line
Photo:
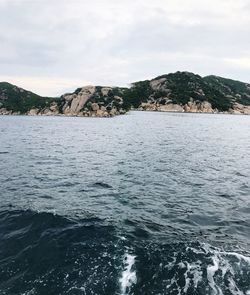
234	90
180	91
94	101
189	91
18	100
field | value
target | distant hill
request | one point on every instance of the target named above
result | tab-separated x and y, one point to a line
180	91
234	91
16	99
184	87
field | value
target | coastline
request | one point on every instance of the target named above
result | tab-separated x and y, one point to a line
180	92
126	113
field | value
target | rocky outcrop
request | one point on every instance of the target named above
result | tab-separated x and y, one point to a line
75	102
190	107
93	101
199	107
4	111
240	109
177	92
33	112
170	107
51	110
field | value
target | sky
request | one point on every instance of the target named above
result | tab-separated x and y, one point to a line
54	46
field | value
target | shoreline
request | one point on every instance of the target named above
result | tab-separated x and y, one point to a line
127	113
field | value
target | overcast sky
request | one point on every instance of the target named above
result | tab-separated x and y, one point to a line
55	46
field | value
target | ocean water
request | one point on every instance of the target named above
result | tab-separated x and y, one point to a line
145	203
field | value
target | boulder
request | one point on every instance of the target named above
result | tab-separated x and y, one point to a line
95	106
240	109
54	108
113	112
76	102
157	83
33	112
4	111
105	90
119	99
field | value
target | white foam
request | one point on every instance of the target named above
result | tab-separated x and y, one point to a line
237	255
222	270
187	279
192	276
128	277
211	270
196	272
233	288
221	262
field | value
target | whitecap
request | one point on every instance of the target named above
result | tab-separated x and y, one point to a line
128	277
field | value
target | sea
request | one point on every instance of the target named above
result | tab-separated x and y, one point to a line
143	203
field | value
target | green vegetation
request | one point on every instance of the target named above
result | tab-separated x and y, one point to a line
178	88
20	100
139	92
108	100
236	90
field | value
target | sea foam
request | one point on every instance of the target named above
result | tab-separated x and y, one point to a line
128	277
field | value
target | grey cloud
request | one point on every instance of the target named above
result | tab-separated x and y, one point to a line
117	42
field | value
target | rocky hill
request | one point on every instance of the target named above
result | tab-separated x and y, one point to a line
180	92
235	91
94	101
187	92
85	101
15	100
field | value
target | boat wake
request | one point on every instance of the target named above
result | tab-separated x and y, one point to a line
128	277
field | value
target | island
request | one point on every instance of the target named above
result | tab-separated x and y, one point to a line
174	92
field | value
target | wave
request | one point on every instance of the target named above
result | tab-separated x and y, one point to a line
44	253
51	254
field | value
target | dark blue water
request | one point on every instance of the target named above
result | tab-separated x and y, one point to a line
146	203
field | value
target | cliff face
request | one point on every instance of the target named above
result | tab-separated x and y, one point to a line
178	92
94	101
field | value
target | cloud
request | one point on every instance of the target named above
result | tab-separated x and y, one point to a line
108	42
45	86
239	62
